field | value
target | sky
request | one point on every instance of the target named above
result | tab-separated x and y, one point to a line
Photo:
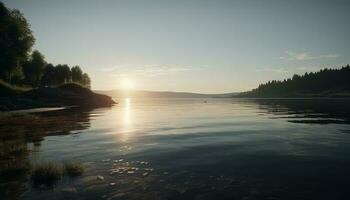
190	45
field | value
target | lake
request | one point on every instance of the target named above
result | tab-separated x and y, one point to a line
186	149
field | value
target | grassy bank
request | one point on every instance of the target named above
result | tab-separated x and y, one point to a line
7	89
69	94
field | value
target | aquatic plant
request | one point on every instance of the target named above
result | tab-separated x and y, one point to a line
12	158
73	169
47	174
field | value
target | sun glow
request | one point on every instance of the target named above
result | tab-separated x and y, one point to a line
127	84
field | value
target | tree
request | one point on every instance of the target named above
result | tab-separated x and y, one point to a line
77	74
325	81
34	68
16	40
48	78
86	80
62	74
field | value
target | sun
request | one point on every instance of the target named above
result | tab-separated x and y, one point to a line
127	84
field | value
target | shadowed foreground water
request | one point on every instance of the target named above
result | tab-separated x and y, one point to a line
190	149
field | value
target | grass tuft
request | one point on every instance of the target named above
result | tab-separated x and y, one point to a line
73	169
47	174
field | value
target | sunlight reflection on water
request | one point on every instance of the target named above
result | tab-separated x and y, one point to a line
236	145
127	120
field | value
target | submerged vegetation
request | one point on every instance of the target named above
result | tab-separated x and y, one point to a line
33	127
49	173
73	169
324	83
21	134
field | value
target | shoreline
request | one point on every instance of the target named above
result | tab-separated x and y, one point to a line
67	95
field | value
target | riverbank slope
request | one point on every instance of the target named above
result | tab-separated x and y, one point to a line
71	94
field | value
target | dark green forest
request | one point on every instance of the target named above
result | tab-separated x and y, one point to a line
326	82
20	65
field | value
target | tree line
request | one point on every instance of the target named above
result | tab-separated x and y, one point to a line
20	65
325	80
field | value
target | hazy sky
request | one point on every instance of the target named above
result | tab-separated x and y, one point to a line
188	45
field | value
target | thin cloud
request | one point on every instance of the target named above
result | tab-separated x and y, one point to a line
306	56
310	68
107	69
315	68
279	70
120	75
152	71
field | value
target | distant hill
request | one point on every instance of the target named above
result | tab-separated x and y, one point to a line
160	94
324	83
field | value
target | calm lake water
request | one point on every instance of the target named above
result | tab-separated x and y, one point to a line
194	149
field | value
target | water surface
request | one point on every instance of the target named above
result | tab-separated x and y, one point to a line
193	149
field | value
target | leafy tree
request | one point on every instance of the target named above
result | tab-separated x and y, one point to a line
62	74
16	40
77	74
48	78
86	80
17	67
17	76
34	68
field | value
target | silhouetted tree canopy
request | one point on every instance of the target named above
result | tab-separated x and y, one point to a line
48	74
86	80
77	74
33	69
60	74
16	41
326	81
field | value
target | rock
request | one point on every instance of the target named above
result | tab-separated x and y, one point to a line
95	189
69	190
88	180
117	196
67	193
200	197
